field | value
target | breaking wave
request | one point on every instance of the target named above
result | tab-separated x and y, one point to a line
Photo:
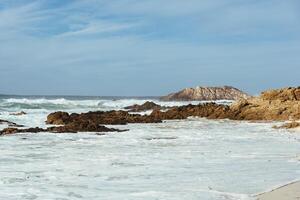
66	104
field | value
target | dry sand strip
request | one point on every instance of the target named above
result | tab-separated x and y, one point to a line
287	192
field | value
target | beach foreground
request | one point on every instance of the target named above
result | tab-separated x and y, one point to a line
287	192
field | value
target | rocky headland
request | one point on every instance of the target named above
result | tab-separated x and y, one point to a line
206	94
273	105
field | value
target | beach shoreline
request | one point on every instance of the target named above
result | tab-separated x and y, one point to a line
289	191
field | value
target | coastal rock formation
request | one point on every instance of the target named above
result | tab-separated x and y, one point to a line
144	107
99	117
285	94
70	128
207	110
281	104
206	94
278	105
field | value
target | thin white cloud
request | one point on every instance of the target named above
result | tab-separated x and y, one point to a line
98	27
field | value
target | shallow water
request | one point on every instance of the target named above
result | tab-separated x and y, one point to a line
188	159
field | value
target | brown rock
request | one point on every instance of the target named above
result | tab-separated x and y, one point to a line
206	93
285	94
144	107
58	118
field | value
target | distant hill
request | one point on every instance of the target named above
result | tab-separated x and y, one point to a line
206	94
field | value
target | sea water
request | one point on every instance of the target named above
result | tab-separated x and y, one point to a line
178	159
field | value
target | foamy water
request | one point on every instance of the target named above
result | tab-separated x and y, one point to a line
187	159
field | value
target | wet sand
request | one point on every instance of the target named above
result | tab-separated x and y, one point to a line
287	192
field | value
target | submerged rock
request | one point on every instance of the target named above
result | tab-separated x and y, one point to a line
9	123
290	125
206	94
19	113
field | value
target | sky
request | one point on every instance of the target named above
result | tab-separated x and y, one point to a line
147	47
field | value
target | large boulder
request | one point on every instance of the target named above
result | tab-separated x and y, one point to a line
206	94
58	118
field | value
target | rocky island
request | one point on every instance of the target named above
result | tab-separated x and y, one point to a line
206	94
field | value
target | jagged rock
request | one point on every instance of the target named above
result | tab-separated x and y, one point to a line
255	108
206	93
282	104
285	94
208	110
100	117
144	107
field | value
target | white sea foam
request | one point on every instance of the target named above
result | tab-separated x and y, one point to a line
62	103
180	159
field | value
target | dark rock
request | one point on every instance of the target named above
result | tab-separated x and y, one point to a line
144	107
58	118
70	128
11	124
19	113
99	117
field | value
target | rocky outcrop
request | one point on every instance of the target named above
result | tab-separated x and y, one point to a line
279	105
145	107
284	94
208	110
100	117
206	94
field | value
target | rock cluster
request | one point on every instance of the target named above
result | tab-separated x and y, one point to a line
206	93
99	117
282	104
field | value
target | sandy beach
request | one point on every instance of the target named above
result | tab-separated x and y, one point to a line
287	192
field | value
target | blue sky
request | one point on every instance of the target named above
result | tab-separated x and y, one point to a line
147	47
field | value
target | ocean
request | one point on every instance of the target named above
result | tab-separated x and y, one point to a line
189	159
